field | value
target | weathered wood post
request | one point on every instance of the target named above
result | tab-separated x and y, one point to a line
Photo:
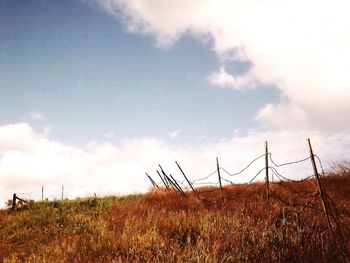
172	182
218	169
267	172
161	178
177	186
320	188
188	181
42	193
153	182
14	201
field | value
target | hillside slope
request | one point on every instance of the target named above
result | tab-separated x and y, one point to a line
167	227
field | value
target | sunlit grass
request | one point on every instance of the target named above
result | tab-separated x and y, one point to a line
162	226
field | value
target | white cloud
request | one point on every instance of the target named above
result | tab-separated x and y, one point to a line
148	17
18	137
109	135
223	79
29	159
174	134
282	116
301	47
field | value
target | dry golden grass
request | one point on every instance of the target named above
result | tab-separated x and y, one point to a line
162	226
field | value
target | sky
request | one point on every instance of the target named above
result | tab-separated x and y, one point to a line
93	93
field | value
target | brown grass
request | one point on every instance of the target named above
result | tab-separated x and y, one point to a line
162	226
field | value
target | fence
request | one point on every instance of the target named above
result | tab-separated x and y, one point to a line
46	193
271	170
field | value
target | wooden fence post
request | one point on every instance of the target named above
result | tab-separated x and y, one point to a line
165	184
153	182
267	172
218	169
42	193
166	178
14	197
62	191
177	186
188	181
314	167
172	182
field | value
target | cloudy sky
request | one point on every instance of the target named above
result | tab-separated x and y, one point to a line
93	93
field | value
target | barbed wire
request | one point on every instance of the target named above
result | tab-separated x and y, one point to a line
253	192
187	184
294	191
247	184
245	168
320	162
201	179
306	198
229	181
38	196
274	170
295	204
287	163
243	190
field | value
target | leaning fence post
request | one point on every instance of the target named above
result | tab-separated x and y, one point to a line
166	178
153	182
165	184
319	184
188	181
267	172
14	201
178	187
172	182
218	169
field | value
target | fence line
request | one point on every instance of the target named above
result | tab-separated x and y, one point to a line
271	167
21	198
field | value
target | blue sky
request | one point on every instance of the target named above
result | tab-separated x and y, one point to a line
97	91
87	76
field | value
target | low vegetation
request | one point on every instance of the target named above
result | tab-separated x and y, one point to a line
163	226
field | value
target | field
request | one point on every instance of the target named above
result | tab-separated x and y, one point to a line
163	226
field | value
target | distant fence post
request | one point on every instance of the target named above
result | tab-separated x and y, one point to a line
62	192
42	193
319	184
14	201
267	172
218	169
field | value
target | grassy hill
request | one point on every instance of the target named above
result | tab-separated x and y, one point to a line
163	226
